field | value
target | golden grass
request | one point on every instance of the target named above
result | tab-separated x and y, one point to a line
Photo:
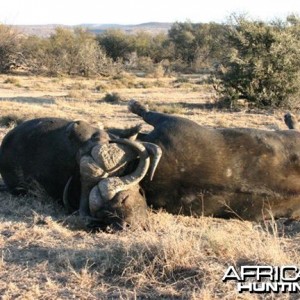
45	254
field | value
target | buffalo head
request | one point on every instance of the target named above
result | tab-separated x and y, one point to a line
110	194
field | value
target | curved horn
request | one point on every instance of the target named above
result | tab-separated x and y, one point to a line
95	200
155	153
65	195
109	187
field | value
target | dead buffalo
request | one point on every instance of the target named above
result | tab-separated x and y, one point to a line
51	152
229	172
44	150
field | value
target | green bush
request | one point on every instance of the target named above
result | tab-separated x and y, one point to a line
10	54
262	65
67	52
116	43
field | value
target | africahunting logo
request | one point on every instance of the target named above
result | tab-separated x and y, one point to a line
265	279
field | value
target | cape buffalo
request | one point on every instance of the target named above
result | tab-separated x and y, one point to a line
52	151
229	172
45	150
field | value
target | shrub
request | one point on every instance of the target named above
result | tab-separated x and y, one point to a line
116	43
10	54
158	71
71	52
262	65
10	120
112	98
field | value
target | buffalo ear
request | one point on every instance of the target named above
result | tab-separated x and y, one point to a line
72	128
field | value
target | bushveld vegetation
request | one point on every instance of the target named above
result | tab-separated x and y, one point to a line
251	60
46	254
262	63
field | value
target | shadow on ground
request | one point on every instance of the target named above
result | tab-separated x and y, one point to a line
31	100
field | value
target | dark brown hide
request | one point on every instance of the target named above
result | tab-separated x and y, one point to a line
232	172
46	151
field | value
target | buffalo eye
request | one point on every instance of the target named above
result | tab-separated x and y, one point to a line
95	136
124	199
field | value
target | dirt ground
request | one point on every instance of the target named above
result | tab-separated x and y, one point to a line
46	254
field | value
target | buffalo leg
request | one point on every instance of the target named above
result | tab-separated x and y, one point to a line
150	117
291	121
14	183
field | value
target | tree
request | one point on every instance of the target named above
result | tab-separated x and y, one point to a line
262	62
36	54
182	35
197	45
10	55
116	43
210	45
76	52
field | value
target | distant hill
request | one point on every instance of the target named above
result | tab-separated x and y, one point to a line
39	30
47	30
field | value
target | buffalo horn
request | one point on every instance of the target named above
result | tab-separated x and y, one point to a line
109	187
65	195
155	152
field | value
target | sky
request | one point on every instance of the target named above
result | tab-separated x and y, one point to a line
68	12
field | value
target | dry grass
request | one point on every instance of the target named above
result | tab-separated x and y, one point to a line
45	254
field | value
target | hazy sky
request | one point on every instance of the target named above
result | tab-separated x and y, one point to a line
138	11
